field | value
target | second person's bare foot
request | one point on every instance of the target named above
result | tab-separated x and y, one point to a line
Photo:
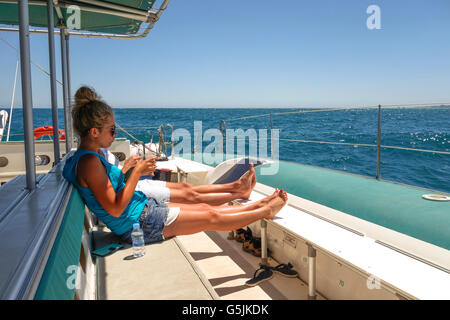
247	183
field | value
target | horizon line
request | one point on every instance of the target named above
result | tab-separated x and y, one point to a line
300	107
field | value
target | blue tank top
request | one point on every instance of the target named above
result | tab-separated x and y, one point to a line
131	213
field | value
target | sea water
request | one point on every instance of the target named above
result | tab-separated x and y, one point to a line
418	128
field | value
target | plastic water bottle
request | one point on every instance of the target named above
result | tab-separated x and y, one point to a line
137	236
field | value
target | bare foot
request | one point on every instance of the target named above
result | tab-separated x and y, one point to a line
284	195
267	199
277	203
254	176
247	182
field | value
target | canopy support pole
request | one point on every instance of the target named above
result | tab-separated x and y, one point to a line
54	100
27	101
65	90
69	94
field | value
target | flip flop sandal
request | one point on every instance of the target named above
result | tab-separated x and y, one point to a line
262	274
285	270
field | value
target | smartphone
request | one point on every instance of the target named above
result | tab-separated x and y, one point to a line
107	250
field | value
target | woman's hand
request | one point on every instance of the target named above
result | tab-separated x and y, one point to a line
130	162
146	167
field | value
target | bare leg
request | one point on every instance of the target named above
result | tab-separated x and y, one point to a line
204	188
244	185
189	222
250	206
226	208
220	193
220	209
191	197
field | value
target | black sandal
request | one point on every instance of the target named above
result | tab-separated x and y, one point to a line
285	270
261	274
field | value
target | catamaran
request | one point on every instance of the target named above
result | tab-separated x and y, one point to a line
341	235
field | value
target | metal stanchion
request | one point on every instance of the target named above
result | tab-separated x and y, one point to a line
64	80
54	100
69	133
311	273
222	128
27	101
379	143
271	138
264	258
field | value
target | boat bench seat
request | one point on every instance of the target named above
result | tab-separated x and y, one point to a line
343	242
41	232
165	272
48	236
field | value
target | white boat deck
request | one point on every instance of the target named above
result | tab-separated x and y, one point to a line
397	272
207	265
165	272
408	275
227	267
202	266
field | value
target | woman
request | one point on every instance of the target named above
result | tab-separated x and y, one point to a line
119	206
180	192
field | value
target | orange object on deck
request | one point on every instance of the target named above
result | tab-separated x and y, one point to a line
48	131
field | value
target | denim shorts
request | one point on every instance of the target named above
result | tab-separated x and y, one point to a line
152	221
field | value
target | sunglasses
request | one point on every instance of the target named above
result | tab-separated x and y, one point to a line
113	130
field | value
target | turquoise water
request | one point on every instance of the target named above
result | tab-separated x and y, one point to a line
421	128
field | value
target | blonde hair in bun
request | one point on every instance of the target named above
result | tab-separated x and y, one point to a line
84	95
89	111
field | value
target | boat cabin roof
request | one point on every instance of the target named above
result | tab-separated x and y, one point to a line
112	17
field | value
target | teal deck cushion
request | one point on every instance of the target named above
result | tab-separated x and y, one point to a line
58	279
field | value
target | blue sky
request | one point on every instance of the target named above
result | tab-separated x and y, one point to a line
291	53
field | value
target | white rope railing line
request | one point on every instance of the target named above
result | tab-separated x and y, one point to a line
139	127
126	132
249	117
325	110
37	66
320	109
330	142
345	143
413	149
367	145
417	104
